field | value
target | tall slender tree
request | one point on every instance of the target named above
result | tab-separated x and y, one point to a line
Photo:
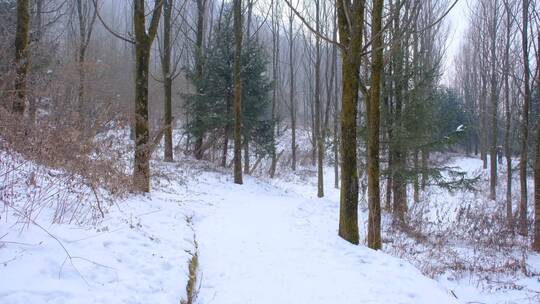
373	121
143	46
351	28
276	32
536	237
237	92
199	51
523	230
318	132
508	112
494	12
167	77
21	55
86	14
292	102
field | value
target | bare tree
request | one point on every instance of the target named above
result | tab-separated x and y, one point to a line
292	101
523	230
351	29
21	55
373	121
318	131
167	77
536	237
86	14
276	32
199	49
143	46
508	113
238	92
493	26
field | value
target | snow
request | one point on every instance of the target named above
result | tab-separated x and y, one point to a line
257	244
267	246
135	256
267	241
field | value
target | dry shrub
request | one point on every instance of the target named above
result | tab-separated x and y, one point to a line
477	243
63	162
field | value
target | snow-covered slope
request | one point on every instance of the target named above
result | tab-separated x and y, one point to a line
136	255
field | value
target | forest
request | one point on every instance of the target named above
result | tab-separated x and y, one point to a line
262	151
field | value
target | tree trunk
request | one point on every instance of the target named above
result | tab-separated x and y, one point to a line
373	122
141	174
425	160
494	107
33	102
388	203
226	132
21	55
483	121
336	106
318	132
143	44
167	78
291	93
523	229
536	237
351	21
399	154
507	147
246	155
85	31
238	93
336	130
275	75
201	7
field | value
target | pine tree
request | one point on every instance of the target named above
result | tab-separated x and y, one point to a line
214	97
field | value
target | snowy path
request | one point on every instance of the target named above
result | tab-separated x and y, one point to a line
261	245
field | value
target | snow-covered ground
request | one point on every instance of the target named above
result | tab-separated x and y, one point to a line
267	241
135	255
264	245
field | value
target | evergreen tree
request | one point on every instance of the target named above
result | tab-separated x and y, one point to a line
213	100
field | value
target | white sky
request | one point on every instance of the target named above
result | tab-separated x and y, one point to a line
458	20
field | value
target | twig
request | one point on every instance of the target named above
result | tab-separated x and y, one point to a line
98	202
68	255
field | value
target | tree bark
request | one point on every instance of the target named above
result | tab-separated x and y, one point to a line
238	92
536	237
21	55
373	122
226	131
143	44
167	78
246	155
318	132
350	23
291	93
399	155
336	118
199	45
494	105
275	75
86	26
523	229
507	147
